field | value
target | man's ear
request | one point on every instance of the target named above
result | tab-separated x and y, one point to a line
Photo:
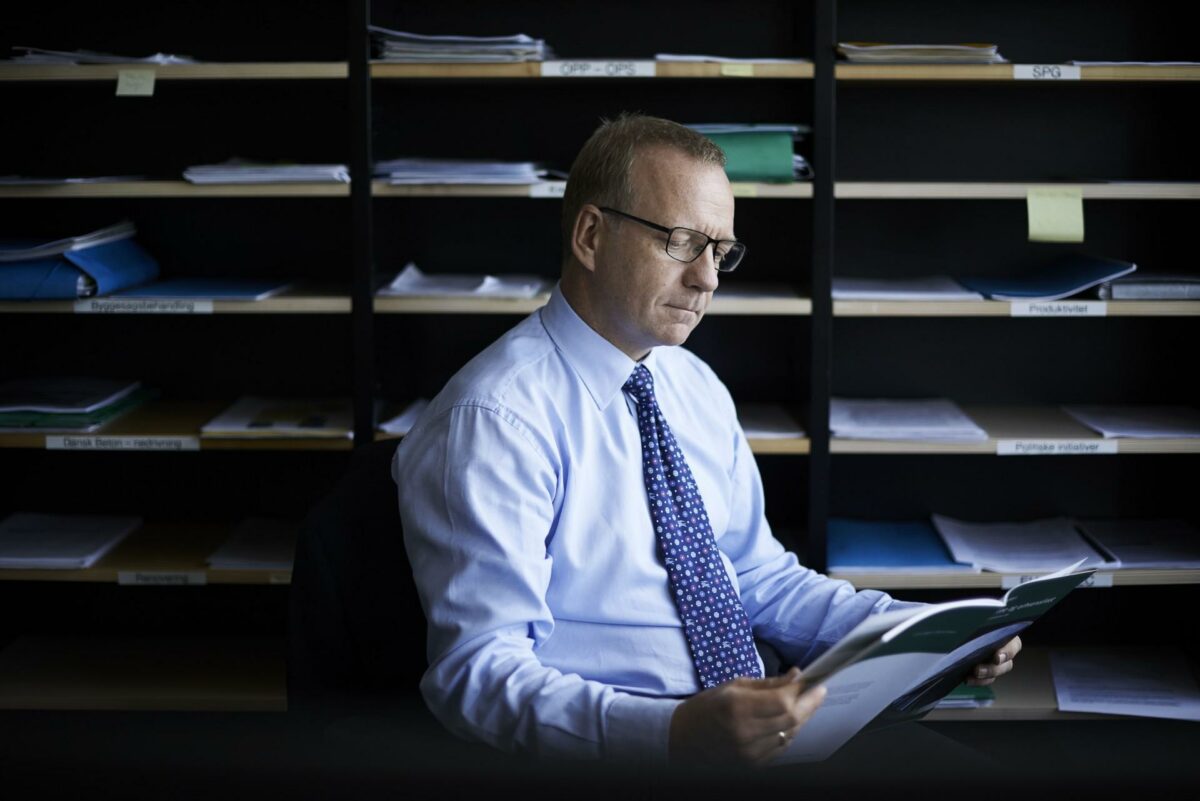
585	237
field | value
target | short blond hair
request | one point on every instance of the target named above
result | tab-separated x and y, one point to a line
603	169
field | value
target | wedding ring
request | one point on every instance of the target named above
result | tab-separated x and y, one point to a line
783	738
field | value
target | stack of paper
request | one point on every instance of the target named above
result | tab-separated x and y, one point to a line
38	55
241	171
700	58
767	421
207	289
874	546
1151	286
42	180
1140	422
882	53
60	542
402	46
257	543
1147	544
1060	279
412	282
1033	547
932	420
66	404
1153	683
254	417
402	423
98	262
404	171
932	287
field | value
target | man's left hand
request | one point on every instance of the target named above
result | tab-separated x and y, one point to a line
1002	662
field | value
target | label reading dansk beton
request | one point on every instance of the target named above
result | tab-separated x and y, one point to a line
1055	447
88	442
598	69
1059	308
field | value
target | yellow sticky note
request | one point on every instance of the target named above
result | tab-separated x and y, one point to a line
1055	213
135	83
738	70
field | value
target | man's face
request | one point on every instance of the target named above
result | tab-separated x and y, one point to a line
645	297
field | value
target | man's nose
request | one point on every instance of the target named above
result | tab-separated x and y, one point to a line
702	272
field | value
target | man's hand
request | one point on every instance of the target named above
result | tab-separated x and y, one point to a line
741	720
1002	662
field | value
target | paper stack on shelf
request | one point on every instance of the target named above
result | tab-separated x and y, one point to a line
1144	682
1139	422
879	546
406	171
402	423
1151	286
412	282
1147	544
767	421
38	55
95	263
242	171
933	420
248	289
758	152
968	696
697	58
257	543
255	417
60	542
1031	547
405	47
930	287
42	180
1060	279
77	405
886	53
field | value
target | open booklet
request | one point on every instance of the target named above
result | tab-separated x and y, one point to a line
897	665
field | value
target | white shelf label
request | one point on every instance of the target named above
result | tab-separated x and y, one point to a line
161	578
1055	447
598	69
1046	72
92	442
1097	579
1059	308
548	189
135	83
142	306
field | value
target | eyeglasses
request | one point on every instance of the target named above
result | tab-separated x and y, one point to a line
686	245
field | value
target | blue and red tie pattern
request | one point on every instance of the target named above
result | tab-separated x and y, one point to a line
714	620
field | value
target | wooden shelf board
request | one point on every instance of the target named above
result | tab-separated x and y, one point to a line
1004	72
761	70
993	308
159	548
766	300
294	301
180	419
126	189
943	581
763	300
745	189
1013	423
282	70
771	446
144	673
985	190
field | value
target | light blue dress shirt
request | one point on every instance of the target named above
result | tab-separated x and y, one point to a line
551	628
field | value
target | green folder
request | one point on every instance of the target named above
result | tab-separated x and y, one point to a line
756	155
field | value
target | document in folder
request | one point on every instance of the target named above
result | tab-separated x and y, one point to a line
94	264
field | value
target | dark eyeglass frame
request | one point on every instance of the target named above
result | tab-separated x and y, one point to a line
732	244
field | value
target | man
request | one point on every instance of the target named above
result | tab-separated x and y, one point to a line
582	512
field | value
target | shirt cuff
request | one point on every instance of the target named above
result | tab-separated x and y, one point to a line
637	728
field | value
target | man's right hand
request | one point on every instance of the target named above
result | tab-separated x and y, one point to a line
740	721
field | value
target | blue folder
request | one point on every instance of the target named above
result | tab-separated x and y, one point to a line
887	545
112	265
1060	279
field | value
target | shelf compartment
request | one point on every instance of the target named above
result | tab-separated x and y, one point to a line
1026	423
1004	72
144	673
300	300
125	189
984	190
994	308
744	189
159	553
282	70
533	69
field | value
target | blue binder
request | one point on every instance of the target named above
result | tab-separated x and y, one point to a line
874	545
110	262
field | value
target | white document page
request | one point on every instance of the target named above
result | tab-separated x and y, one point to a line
60	542
412	282
934	419
1147	544
257	543
929	287
1038	546
1142	422
402	423
1145	683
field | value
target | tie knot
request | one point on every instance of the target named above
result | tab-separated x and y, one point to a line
640	384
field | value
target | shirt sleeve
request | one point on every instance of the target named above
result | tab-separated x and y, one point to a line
797	610
477	501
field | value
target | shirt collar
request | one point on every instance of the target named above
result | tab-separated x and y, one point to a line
601	365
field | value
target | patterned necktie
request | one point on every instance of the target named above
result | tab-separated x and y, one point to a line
714	620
